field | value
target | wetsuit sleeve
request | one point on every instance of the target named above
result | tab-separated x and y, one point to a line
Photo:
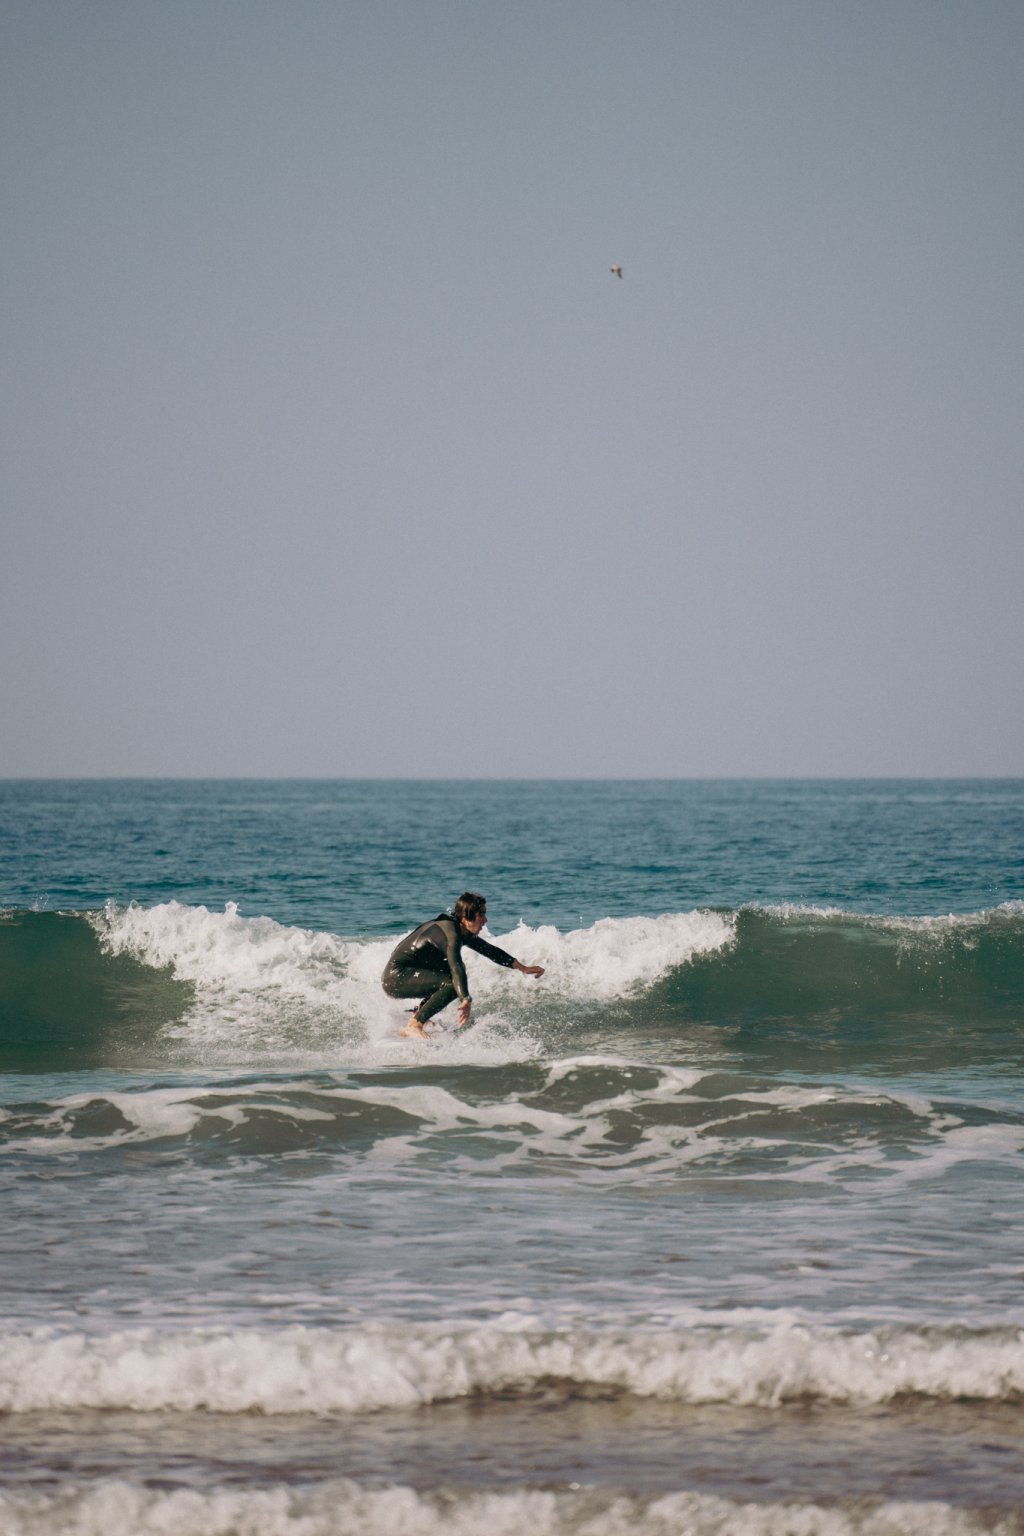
453	952
492	952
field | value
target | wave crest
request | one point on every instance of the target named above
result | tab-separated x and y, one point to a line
325	1371
102	987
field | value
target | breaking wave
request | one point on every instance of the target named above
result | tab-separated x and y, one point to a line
102	987
330	1371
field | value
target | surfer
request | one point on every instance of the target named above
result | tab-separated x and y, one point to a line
428	962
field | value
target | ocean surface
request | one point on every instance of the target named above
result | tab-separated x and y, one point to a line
718	1227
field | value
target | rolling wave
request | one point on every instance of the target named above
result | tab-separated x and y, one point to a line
326	1371
85	989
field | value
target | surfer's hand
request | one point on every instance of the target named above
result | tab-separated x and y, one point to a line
465	1009
529	970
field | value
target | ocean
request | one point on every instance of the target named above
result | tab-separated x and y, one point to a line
718	1227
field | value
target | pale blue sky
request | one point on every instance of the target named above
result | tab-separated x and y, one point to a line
331	446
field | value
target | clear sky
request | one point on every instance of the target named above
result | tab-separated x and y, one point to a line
331	445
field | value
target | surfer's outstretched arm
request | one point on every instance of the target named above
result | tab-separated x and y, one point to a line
472	940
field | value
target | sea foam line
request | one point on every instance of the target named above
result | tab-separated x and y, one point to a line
318	1370
340	1506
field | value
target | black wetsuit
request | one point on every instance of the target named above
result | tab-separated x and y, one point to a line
428	964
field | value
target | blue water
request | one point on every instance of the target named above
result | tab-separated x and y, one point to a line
358	856
736	1183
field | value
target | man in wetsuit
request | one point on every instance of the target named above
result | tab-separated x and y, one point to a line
428	962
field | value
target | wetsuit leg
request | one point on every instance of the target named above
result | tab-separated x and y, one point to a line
434	987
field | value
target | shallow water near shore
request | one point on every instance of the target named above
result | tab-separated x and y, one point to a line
549	1438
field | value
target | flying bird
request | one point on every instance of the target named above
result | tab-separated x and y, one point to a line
615	271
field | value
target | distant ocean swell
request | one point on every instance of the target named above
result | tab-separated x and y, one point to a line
85	988
339	1506
297	1369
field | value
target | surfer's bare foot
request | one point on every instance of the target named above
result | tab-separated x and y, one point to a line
413	1030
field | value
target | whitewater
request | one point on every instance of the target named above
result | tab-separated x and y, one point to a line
717	1228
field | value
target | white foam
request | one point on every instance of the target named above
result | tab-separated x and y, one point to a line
339	1506
262	986
616	957
966	1144
156	1113
223	950
225	953
321	1370
716	1132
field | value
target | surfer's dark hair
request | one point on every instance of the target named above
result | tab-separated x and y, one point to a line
470	905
